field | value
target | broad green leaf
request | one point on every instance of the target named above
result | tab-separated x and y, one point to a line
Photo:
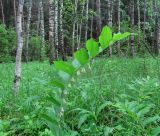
120	36
144	111
92	47
63	66
105	37
58	84
156	131
82	56
54	101
49	119
103	106
150	120
82	120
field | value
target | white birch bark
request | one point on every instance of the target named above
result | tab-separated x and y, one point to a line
38	19
110	8
56	28
52	53
42	53
28	27
74	25
80	26
139	25
119	26
2	11
86	27
19	47
62	31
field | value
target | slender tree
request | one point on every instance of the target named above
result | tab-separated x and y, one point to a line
15	13
110	8
52	52
80	25
19	47
42	33
2	11
139	25
91	25
28	27
144	21
86	27
38	19
98	16
132	24
62	31
74	25
56	27
119	25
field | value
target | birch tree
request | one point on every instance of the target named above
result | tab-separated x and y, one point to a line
80	25
99	22
38	19
28	27
132	24
139	25
119	25
110	8
42	33
52	52
86	27
74	25
56	28
62	31
19	47
144	17
2	11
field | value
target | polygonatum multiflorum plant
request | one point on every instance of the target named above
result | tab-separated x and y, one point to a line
67	70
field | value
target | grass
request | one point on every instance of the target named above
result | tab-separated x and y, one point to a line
115	97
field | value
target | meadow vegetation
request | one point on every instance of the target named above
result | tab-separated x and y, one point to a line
118	96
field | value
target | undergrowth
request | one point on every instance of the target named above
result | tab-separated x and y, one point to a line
118	96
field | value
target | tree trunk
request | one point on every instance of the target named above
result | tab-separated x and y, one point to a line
158	36
74	25
77	34
19	47
110	8
52	52
157	29
80	27
99	22
86	27
2	11
61	32
119	26
15	13
91	27
56	28
28	27
139	25
132	24
42	50
38	20
144	21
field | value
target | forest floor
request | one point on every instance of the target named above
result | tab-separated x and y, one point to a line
118	96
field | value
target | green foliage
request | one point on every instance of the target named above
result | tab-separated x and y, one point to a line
34	48
115	98
105	100
7	44
105	37
82	57
92	47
